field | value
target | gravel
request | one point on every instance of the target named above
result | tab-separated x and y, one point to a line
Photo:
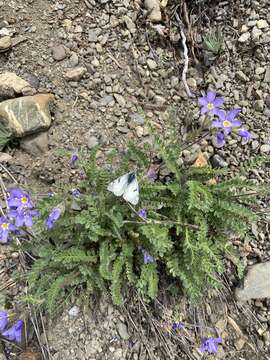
108	78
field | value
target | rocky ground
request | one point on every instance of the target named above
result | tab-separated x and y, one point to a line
108	67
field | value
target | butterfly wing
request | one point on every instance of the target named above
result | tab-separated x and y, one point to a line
131	193
119	185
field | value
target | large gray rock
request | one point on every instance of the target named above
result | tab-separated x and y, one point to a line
26	115
256	283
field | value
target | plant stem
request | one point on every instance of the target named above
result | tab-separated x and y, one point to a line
169	222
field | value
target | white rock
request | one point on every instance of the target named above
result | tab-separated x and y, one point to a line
244	29
265	149
75	74
267	75
11	80
4	157
154	7
92	142
256	282
5	32
74	311
5	43
244	37
130	24
256	33
151	64
262	24
95	62
120	99
259	70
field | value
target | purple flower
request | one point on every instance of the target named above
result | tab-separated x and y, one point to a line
23	218
51	194
210	103
142	213
54	215
151	174
210	345
19	199
3	320
74	158
176	326
82	174
227	121
5	228
147	258
245	134
76	193
15	332
220	138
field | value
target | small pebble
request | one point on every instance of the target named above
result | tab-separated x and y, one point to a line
59	52
265	149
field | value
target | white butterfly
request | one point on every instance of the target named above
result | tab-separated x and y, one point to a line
126	185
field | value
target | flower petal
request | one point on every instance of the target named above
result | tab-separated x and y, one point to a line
19	221
227	130
28	220
220	137
236	123
11	227
217	124
204	110
244	134
211	96
218	102
232	114
203	101
221	114
4	236
3	320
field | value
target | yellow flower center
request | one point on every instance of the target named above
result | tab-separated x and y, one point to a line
24	200
4	226
227	123
210	106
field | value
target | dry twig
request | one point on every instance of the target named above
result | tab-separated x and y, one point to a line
185	69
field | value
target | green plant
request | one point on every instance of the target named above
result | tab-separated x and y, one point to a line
97	242
213	44
5	136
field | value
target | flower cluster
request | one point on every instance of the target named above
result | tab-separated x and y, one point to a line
142	214
74	158
147	258
177	326
53	217
20	213
210	345
226	122
14	333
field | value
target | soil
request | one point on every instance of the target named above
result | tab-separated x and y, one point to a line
130	69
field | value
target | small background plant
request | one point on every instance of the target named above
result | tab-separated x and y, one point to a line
5	136
213	44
